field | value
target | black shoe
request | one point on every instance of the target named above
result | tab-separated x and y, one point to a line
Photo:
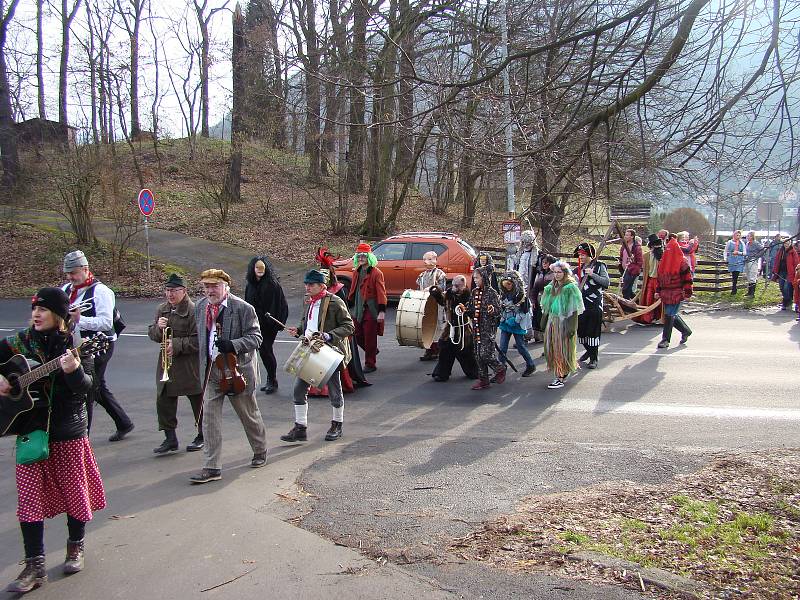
592	364
440	379
264	387
120	434
270	388
298	433
33	575
197	444
584	357
530	370
170	443
206	475
335	432
259	460
428	356
370	369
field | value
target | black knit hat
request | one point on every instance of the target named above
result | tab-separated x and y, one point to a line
53	299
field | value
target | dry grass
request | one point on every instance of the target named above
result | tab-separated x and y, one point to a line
734	526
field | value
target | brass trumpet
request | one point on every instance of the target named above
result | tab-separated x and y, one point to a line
166	359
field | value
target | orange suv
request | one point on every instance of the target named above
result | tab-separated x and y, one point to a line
400	259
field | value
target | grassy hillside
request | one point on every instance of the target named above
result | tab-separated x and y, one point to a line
281	214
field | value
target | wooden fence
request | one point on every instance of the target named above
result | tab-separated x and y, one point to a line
709	276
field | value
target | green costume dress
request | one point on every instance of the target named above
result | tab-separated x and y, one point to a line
560	309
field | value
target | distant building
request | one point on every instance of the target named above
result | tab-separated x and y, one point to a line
42	132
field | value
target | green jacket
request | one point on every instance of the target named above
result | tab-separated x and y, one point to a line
338	323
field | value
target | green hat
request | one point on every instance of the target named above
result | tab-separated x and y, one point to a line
314	276
175	281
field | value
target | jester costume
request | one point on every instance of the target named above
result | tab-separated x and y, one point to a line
561	307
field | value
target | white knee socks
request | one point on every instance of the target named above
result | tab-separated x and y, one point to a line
301	414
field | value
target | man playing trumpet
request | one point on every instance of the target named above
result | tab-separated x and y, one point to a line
177	374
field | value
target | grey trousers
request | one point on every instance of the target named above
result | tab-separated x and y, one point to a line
249	414
335	393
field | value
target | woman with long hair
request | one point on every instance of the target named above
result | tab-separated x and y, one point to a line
562	304
264	292
484	309
66	479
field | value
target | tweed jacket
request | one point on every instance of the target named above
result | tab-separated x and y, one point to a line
338	323
184	378
240	325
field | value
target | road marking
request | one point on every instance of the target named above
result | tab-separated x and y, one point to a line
676	410
664	354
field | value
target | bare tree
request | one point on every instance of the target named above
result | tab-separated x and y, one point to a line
233	176
8	136
204	16
132	19
40	91
67	16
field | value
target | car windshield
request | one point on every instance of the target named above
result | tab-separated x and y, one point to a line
468	248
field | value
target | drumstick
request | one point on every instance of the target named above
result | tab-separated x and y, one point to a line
266	313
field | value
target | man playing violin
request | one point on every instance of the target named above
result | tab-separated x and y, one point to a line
227	326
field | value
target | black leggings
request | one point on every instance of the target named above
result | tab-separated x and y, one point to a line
266	352
33	535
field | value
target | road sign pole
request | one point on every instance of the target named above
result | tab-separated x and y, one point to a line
147	246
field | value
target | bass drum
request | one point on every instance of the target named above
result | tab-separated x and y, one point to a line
417	321
315	368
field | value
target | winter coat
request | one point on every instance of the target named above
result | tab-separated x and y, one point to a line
735	261
373	290
792	260
338	323
635	259
266	296
516	315
68	417
184	374
673	288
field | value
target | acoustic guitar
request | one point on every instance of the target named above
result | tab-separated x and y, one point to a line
17	370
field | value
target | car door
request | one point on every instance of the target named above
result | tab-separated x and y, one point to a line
416	265
392	262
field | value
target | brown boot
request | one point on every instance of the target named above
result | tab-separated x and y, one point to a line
74	561
33	575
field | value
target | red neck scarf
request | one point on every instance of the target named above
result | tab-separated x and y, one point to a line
582	256
670	263
212	312
313	299
74	289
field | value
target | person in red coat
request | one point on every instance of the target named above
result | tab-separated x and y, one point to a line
673	286
783	271
367	301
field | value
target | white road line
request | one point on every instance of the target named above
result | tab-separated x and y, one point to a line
676	410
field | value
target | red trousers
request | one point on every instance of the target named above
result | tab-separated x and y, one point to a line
367	338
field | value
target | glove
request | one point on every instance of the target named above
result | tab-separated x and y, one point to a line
225	346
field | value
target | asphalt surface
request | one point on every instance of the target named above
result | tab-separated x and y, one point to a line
420	463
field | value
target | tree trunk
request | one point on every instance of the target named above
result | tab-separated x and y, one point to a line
40	59
233	179
66	23
405	112
204	68
136	129
92	58
8	134
357	133
313	99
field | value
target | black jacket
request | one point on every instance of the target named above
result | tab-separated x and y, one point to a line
68	417
265	295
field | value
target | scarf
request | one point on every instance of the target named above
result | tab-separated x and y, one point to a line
74	289
312	300
212	312
672	259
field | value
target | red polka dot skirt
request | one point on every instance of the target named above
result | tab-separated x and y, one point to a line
67	482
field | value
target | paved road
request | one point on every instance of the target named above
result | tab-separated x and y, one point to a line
420	463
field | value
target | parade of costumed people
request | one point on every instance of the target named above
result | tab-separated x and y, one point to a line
485	311
264	292
56	470
352	374
674	285
432	276
515	320
455	342
593	280
367	301
485	260
562	305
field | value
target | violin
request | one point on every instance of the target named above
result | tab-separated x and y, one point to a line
231	381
